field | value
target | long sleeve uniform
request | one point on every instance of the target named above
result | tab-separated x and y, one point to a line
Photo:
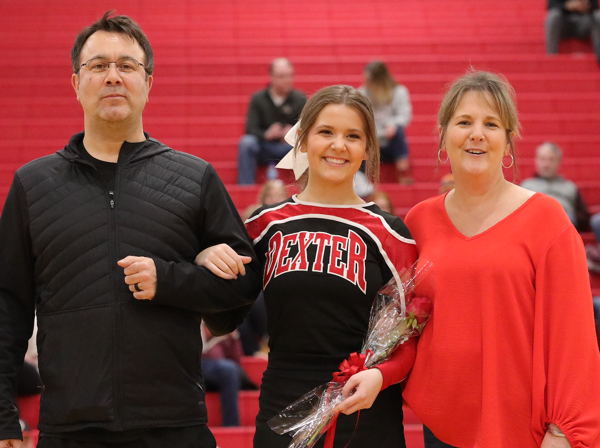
323	266
334	259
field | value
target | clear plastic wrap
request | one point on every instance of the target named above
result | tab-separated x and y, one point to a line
396	315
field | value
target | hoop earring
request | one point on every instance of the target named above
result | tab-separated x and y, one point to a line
440	158
512	162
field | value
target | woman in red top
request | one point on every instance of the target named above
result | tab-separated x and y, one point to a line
509	358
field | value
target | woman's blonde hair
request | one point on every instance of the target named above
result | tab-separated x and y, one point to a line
269	187
503	101
350	97
380	83
380	194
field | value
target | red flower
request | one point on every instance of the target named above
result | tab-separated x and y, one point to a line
421	308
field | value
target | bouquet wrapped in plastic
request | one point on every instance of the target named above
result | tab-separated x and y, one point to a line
396	316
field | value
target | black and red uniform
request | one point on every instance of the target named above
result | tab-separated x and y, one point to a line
322	267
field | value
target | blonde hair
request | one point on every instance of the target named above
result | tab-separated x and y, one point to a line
503	100
350	97
380	194
269	187
380	83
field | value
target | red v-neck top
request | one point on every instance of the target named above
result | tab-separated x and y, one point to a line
511	345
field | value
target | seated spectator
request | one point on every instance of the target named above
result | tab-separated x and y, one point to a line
272	192
222	372
271	114
383	200
446	183
595	225
548	158
363	187
253	331
393	112
572	18
592	251
547	161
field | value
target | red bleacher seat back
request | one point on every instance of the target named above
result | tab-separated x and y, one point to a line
254	367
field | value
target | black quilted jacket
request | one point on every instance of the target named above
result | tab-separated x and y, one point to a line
107	360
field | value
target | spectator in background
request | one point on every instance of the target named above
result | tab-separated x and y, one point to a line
595	224
271	114
363	187
272	192
446	183
222	371
253	331
393	112
548	157
572	18
383	200
547	161
593	250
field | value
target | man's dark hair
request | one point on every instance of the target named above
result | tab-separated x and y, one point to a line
116	24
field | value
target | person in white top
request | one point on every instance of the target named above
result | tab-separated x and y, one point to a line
393	111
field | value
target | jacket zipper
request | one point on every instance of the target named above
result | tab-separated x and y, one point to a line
117	279
117	275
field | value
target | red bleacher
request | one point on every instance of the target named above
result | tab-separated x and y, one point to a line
211	55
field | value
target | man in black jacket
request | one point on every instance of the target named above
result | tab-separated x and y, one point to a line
271	114
100	239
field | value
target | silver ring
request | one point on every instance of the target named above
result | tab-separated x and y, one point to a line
137	287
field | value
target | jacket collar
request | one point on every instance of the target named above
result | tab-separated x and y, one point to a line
129	153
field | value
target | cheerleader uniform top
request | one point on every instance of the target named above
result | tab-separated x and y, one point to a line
322	267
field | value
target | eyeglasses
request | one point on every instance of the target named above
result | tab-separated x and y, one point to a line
101	65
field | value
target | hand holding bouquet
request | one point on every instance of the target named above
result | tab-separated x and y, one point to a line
396	315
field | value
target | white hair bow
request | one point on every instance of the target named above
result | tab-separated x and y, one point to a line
294	160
